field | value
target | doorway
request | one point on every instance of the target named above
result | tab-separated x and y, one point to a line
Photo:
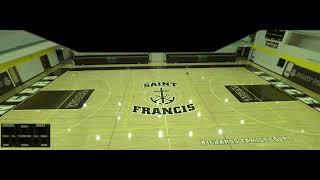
60	55
157	57
14	76
45	62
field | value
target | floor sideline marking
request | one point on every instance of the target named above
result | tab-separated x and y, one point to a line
55	111
65	99
180	127
130	100
52	113
115	124
165	120
266	105
165	117
169	144
199	107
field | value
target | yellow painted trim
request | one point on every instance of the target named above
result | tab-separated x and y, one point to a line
302	62
298	61
25	59
265	50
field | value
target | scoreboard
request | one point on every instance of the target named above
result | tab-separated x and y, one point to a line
276	35
25	135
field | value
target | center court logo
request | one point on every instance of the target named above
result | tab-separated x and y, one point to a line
162	98
162	95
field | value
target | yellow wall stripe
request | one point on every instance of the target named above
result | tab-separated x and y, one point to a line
298	61
265	50
302	62
25	59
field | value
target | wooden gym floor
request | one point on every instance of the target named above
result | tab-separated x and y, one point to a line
150	109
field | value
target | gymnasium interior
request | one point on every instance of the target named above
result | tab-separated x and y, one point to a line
261	92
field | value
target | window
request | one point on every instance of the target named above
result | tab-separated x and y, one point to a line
281	62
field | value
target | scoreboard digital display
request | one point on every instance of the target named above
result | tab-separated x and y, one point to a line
272	44
25	135
276	35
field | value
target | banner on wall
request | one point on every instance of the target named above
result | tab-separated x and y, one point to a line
5	83
306	78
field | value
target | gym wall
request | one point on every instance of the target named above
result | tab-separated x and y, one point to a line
67	53
29	69
297	52
27	59
295	55
12	39
53	58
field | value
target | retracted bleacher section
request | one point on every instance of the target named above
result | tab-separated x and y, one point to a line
112	59
200	57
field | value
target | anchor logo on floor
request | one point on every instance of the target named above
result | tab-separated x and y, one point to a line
162	97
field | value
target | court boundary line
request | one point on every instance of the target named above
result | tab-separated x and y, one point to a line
66	99
266	104
165	117
116	121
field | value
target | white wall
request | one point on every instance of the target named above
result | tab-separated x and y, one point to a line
304	46
310	44
157	57
6	57
29	69
270	61
266	60
302	53
53	59
311	32
10	39
67	53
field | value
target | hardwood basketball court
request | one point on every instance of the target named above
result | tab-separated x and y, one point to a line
207	107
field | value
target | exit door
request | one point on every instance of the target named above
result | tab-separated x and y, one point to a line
14	75
45	62
60	55
157	57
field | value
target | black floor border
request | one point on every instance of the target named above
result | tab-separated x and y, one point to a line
16	104
310	104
